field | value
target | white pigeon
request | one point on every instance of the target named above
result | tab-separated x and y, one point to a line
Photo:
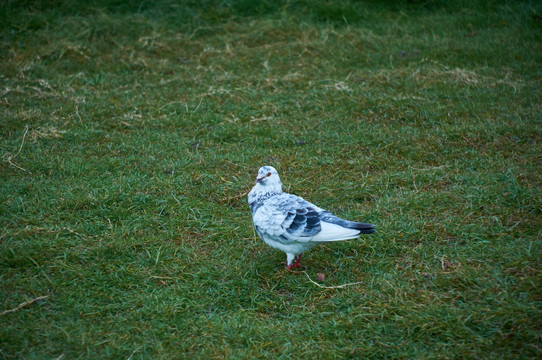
289	223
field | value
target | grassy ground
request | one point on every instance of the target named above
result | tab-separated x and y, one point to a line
132	131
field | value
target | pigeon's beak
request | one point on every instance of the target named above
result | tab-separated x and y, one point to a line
258	180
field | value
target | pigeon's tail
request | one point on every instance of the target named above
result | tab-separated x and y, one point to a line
363	228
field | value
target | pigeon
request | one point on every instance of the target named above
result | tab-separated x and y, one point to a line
292	224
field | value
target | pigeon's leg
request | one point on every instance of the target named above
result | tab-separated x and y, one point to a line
296	264
289	259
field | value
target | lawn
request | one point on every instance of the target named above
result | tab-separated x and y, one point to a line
131	132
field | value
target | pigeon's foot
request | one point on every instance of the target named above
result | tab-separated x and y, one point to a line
296	264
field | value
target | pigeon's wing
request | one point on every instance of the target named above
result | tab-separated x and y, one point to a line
288	217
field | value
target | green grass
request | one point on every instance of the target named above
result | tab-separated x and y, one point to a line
132	131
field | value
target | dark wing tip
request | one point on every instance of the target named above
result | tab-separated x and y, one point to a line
363	227
367	231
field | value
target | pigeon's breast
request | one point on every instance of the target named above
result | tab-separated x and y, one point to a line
256	201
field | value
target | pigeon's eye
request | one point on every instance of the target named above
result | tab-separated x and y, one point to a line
268	174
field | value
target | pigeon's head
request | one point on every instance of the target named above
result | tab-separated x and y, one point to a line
268	176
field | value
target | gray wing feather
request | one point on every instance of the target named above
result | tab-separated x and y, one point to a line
289	217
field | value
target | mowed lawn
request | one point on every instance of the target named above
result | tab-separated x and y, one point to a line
131	132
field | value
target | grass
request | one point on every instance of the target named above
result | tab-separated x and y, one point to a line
132	131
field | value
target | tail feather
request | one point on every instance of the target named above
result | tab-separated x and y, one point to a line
362	227
334	232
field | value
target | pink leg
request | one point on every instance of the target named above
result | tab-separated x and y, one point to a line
297	262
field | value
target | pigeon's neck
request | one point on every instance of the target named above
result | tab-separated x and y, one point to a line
260	193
